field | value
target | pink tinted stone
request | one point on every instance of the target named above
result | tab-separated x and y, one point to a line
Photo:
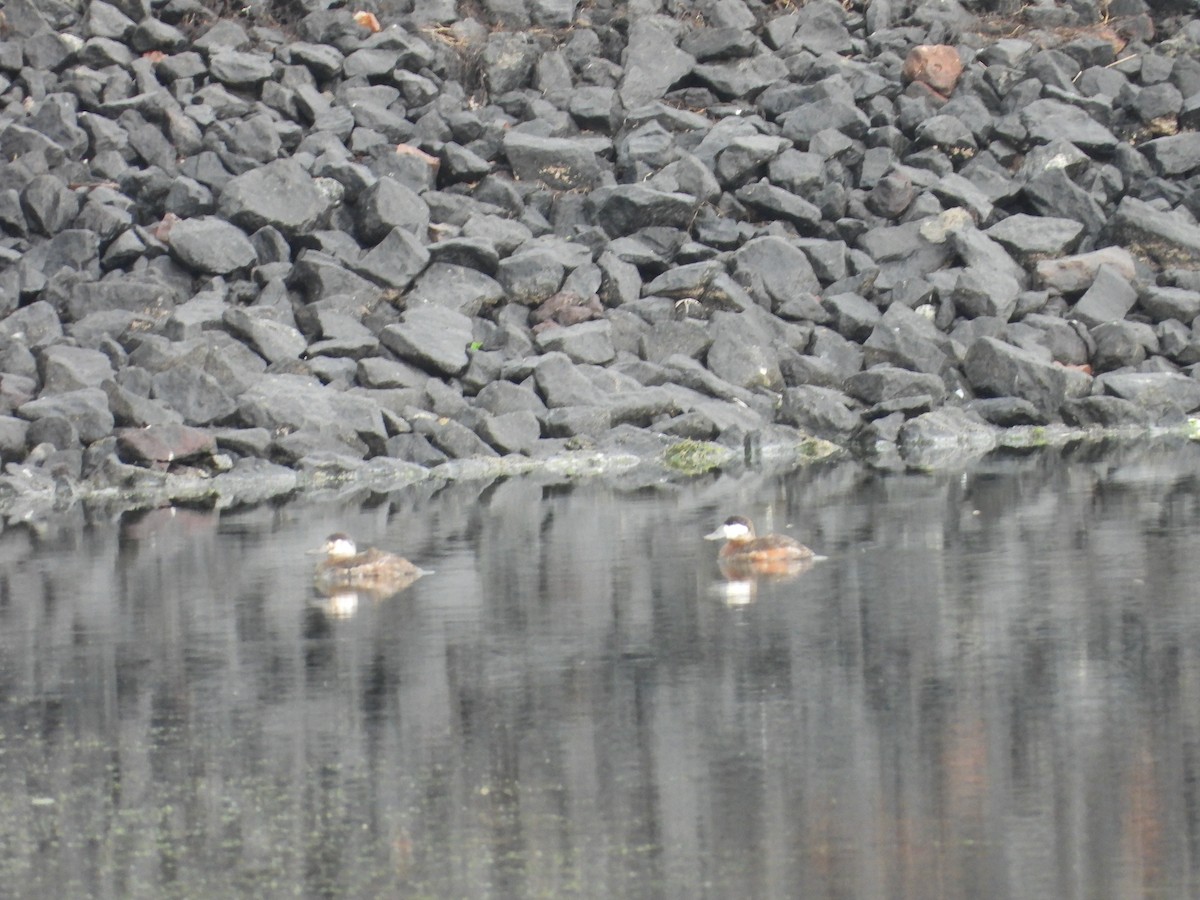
935	65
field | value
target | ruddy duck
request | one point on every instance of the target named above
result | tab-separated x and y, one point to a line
345	566
745	555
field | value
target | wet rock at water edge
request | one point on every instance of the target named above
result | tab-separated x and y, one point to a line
586	229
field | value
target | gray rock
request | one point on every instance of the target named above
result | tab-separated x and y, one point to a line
456	288
595	107
55	431
821	412
743	78
512	432
741	353
717	417
994	368
1164	237
531	276
773	270
13	432
280	194
452	438
587	342
1108	299
319	276
64	368
508	59
1107	412
388	204
653	63
1162	303
1121	344
274	341
136	411
49	205
948	134
1154	391
469	252
294	403
1033	238
620	280
944	435
1072	274
853	316
560	382
626	208
686	337
986	292
342	335
1053	193
34	325
836	113
1049	120
884	383
502	397
909	340
211	246
642	407
193	393
1008	412
1067	343
432	337
378	372
247	442
414	448
771	200
693	280
574	421
240	69
745	158
903	252
86	409
1174	155
841	354
559	163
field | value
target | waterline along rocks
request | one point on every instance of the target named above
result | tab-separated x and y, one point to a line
245	240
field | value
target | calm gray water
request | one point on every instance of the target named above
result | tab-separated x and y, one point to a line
990	688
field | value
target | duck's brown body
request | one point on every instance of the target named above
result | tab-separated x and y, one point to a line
371	569
367	568
745	555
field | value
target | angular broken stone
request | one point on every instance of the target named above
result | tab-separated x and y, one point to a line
280	194
432	337
936	65
210	245
560	163
997	369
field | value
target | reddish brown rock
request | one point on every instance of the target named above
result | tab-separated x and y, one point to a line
565	308
161	445
934	65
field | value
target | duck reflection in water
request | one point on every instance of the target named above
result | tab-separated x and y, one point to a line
745	558
347	576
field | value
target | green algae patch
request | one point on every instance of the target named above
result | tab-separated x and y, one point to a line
814	448
695	457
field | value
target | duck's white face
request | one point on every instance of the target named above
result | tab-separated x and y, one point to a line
339	547
729	531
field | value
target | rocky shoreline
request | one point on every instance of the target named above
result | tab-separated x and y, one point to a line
246	252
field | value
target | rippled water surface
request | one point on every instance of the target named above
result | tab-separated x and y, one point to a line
990	688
